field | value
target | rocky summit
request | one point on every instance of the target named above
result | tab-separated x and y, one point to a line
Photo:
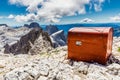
54	65
48	63
33	42
9	35
32	25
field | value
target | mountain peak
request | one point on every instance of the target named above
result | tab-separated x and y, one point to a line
32	25
4	25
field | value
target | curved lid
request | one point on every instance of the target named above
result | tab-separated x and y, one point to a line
91	29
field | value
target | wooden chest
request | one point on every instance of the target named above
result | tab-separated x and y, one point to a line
90	44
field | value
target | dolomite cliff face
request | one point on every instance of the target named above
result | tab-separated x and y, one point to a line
57	36
36	40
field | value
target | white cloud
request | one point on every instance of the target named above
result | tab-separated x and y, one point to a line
10	16
32	5
97	7
1	17
53	10
87	20
25	18
115	18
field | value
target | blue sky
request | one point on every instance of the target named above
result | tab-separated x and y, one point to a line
19	12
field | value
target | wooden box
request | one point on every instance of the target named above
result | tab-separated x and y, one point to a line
90	44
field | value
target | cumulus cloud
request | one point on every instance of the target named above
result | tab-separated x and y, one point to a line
115	18
32	5
25	18
87	20
53	10
10	16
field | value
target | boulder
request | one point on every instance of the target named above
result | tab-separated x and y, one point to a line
32	42
58	39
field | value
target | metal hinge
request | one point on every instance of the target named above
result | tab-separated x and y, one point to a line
78	43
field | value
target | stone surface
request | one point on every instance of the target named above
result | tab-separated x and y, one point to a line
43	78
54	65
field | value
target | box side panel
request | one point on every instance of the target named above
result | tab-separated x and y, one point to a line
109	42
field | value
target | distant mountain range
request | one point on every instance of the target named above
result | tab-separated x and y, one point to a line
66	27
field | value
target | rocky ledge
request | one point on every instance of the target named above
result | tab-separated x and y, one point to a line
54	65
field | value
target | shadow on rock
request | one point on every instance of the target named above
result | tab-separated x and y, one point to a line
112	59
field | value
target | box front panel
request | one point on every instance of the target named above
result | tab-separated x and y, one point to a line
86	46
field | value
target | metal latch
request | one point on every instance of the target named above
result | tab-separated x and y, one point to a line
78	43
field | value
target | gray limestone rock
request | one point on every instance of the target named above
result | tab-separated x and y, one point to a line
34	41
58	39
51	29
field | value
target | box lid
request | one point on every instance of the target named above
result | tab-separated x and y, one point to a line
99	30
